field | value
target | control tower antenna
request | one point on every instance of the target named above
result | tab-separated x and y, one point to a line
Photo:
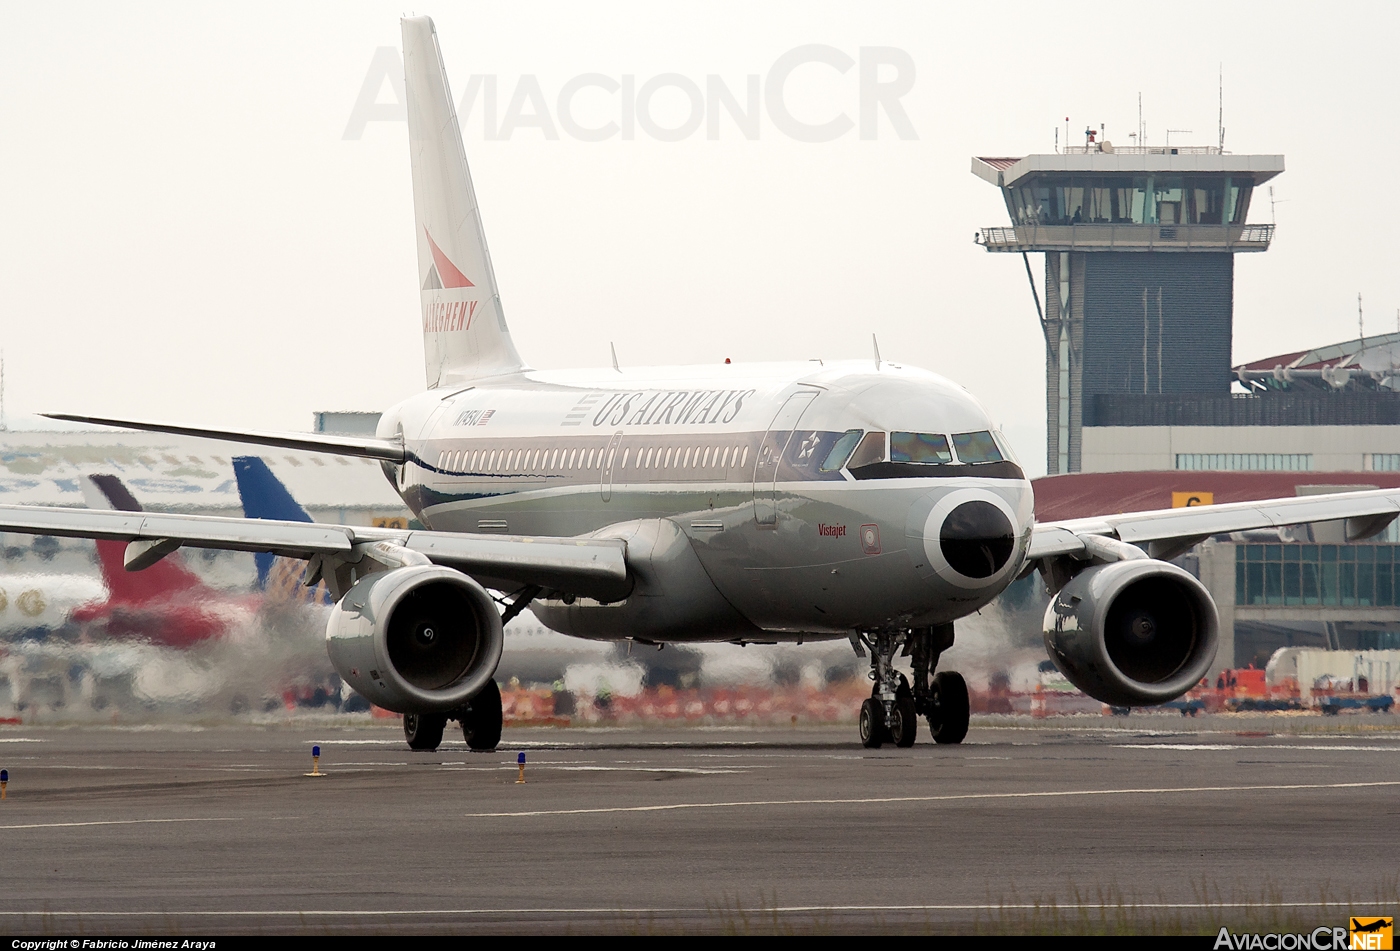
1360	322
1142	133
1220	120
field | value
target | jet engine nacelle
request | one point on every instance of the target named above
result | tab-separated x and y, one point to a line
419	639
1133	633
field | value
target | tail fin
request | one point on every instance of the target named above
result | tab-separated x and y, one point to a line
464	328
165	578
264	496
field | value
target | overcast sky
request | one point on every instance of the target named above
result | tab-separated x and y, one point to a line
186	233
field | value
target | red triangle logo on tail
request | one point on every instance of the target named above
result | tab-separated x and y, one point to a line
447	271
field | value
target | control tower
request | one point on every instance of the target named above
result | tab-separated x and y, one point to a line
1139	249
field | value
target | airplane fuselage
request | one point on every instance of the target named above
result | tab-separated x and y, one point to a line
753	504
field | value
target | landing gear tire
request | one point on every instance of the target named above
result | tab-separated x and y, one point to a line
481	722
872	724
423	730
948	718
904	725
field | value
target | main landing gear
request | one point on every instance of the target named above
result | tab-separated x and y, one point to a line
481	723
891	715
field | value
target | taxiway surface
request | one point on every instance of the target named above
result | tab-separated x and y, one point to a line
216	829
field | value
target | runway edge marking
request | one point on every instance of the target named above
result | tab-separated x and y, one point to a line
115	822
905	799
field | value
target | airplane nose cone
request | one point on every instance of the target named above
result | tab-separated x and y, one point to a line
977	539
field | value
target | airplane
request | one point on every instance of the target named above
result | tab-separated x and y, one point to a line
35	605
862	500
168	606
118	635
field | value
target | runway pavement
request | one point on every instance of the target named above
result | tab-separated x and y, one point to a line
1155	823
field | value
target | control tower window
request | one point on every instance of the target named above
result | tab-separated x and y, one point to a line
974	448
1239	203
1169	206
926	448
1206	201
1121	199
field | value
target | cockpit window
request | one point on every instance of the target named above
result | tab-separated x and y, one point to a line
841	451
870	450
926	448
1004	445
976	447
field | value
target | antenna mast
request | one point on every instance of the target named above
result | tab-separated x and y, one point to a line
1220	120
1360	323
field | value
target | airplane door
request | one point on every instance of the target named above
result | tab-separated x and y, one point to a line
609	455
770	455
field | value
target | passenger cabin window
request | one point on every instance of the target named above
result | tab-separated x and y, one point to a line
870	451
974	448
925	448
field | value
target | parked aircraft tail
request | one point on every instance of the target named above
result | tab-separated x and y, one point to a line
164	579
464	329
264	496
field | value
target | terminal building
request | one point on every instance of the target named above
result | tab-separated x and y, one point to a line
1146	408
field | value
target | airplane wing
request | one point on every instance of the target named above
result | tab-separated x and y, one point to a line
588	567
1169	532
387	450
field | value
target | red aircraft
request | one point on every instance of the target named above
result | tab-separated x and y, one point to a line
166	604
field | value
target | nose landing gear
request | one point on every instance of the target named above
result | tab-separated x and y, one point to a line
891	713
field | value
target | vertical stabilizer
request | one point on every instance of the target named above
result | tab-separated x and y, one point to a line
464	328
264	496
166	579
